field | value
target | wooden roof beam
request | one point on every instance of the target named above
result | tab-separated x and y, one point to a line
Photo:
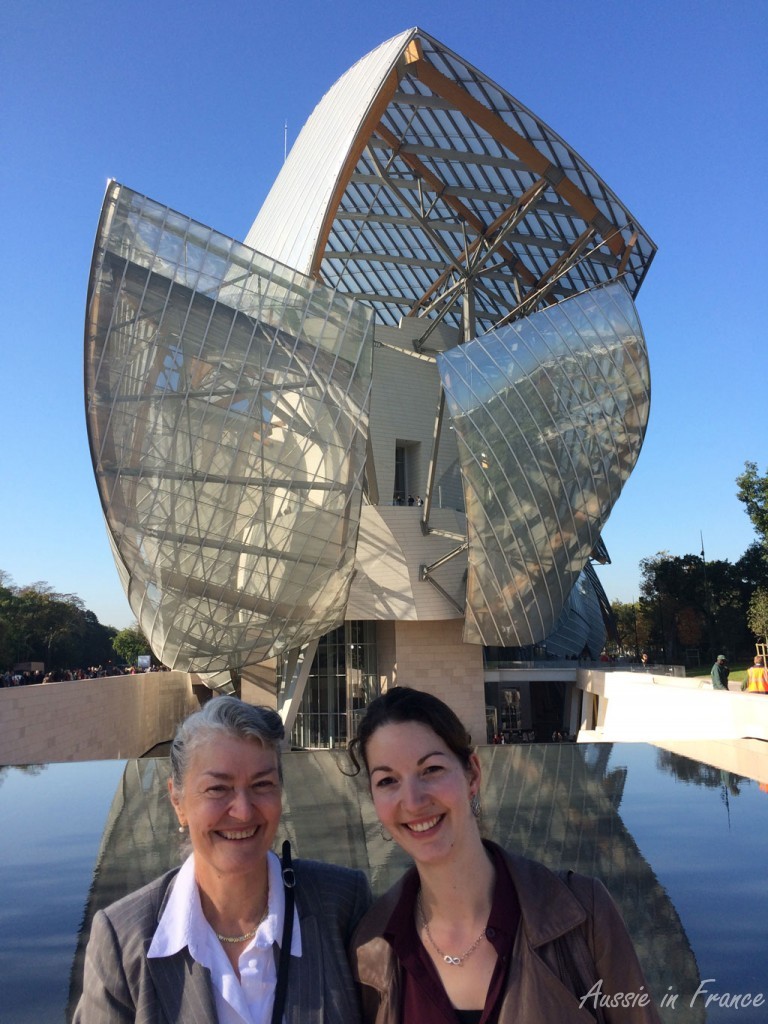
550	278
463	212
507	221
522	148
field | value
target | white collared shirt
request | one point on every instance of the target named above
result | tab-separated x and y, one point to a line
182	923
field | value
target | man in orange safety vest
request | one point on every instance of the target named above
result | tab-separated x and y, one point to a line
757	677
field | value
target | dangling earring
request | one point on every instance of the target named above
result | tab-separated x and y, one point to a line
384	834
182	829
474	804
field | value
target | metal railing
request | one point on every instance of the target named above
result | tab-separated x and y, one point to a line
600	666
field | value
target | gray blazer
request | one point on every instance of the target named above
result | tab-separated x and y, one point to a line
120	985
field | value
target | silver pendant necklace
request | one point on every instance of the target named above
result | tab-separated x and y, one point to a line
453	961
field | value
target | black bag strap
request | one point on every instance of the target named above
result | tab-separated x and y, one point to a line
281	987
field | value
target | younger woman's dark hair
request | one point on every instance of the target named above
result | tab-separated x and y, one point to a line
403	704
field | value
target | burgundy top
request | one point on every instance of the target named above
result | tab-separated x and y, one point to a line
424	999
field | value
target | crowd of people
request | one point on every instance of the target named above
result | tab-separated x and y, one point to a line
505	736
30	677
15	677
400	499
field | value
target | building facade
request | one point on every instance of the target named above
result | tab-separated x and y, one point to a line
396	418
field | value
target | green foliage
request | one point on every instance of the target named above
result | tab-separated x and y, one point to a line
632	630
692	604
753	491
757	614
752	567
130	643
38	624
692	610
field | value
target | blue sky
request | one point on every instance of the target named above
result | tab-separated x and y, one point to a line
186	103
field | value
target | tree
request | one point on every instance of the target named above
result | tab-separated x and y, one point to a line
692	603
7	638
671	587
37	624
752	568
51	621
757	614
632	628
130	643
691	626
753	492
96	640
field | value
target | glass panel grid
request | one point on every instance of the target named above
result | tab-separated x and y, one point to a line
550	413
433	140
227	403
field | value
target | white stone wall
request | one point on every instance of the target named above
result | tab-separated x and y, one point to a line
403	408
634	707
431	656
386	653
92	719
258	684
391	549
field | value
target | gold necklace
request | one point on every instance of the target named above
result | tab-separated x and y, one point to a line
454	961
248	935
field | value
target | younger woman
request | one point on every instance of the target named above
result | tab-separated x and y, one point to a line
472	933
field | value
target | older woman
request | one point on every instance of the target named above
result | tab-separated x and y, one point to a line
473	933
209	941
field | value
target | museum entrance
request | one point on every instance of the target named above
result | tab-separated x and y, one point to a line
528	711
342	682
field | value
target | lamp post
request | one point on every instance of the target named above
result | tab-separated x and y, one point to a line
707	602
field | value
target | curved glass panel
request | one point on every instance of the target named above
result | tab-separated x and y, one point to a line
227	408
550	414
580	627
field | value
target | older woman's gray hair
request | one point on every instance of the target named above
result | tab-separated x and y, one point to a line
224	716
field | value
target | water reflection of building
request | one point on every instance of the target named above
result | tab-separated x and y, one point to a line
140	842
561	805
558	803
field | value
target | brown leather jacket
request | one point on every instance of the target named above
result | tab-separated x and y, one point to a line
572	946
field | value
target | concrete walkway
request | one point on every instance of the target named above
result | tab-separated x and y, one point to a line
727	730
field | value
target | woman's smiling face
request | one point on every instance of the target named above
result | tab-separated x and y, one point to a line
420	789
232	802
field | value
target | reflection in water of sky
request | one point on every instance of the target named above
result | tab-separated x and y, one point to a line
680	845
51	823
704	831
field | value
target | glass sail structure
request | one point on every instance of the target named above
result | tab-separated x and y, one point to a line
227	410
550	414
425	189
581	627
239	405
419	181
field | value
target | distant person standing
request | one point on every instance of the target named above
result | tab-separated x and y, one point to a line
757	677
644	661
720	673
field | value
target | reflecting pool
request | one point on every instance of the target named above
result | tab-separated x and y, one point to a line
681	846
